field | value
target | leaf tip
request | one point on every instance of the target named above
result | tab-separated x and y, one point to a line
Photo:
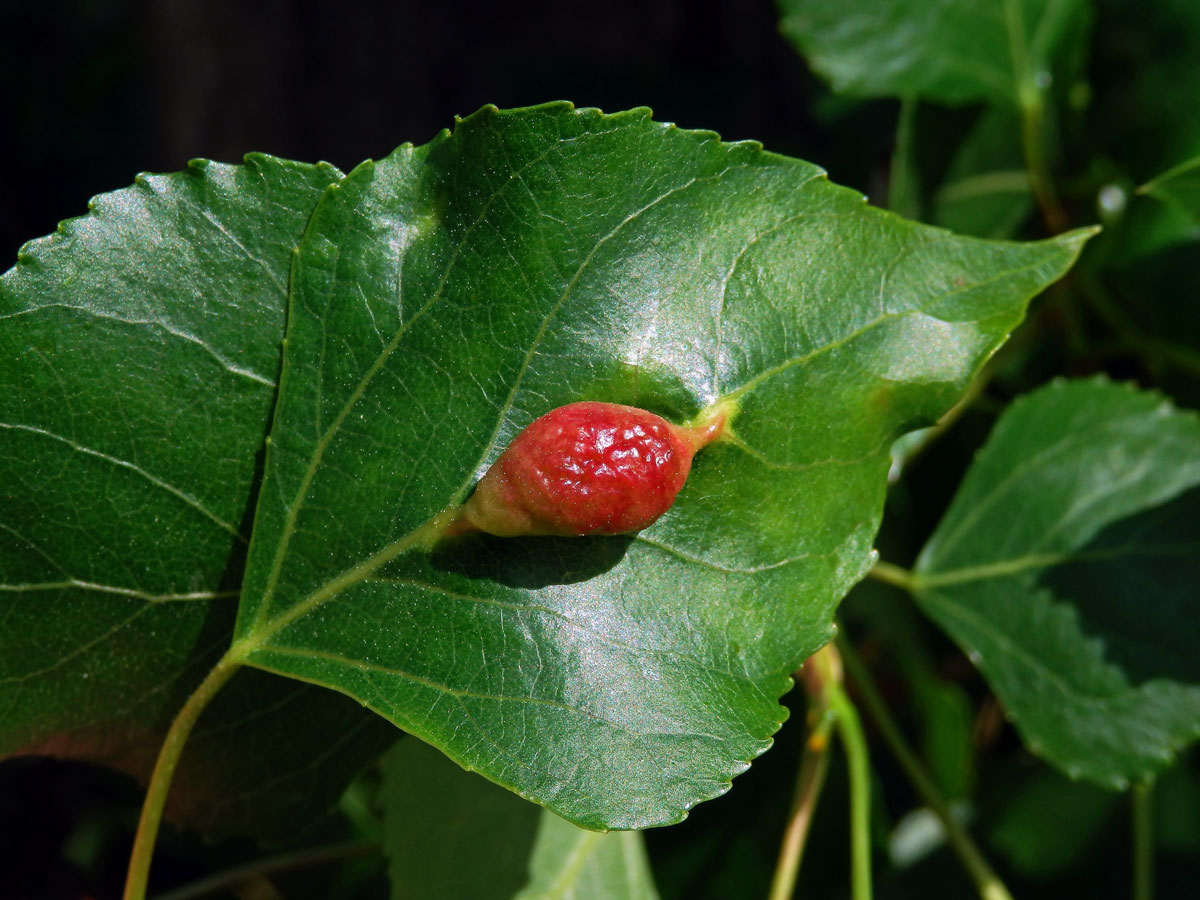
1077	237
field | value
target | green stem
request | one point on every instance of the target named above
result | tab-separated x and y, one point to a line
814	763
893	575
283	862
164	770
1031	99
987	882
1143	841
850	730
356	807
1034	149
904	193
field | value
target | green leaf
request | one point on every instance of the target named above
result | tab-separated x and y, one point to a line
985	189
140	348
1180	186
993	50
574	864
1066	568
1048	824
447	295
437	817
962	169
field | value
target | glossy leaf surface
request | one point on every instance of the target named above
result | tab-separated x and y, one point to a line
449	294
140	348
1066	568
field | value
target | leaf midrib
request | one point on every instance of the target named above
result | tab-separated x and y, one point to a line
262	630
1034	561
360	665
940	548
372	371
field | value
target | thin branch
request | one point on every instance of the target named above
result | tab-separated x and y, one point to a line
986	880
850	731
814	763
1031	97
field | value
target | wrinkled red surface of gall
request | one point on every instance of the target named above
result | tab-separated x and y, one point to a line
586	468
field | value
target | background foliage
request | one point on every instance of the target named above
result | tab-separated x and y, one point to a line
964	151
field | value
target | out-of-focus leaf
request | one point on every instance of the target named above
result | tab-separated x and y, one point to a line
961	169
1142	278
1066	568
574	864
941	709
449	294
985	189
904	179
1176	800
991	50
947	717
140	348
450	833
1181	186
1046	825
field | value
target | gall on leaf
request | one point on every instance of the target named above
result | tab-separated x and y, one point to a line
588	468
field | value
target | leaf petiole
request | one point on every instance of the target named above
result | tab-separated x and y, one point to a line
821	676
810	778
850	731
987	882
894	575
164	770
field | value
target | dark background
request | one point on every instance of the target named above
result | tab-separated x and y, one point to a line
94	91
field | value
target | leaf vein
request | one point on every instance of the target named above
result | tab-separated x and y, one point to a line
545	610
183	496
461	694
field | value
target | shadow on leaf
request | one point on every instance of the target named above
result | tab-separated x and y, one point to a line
1134	585
531	562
